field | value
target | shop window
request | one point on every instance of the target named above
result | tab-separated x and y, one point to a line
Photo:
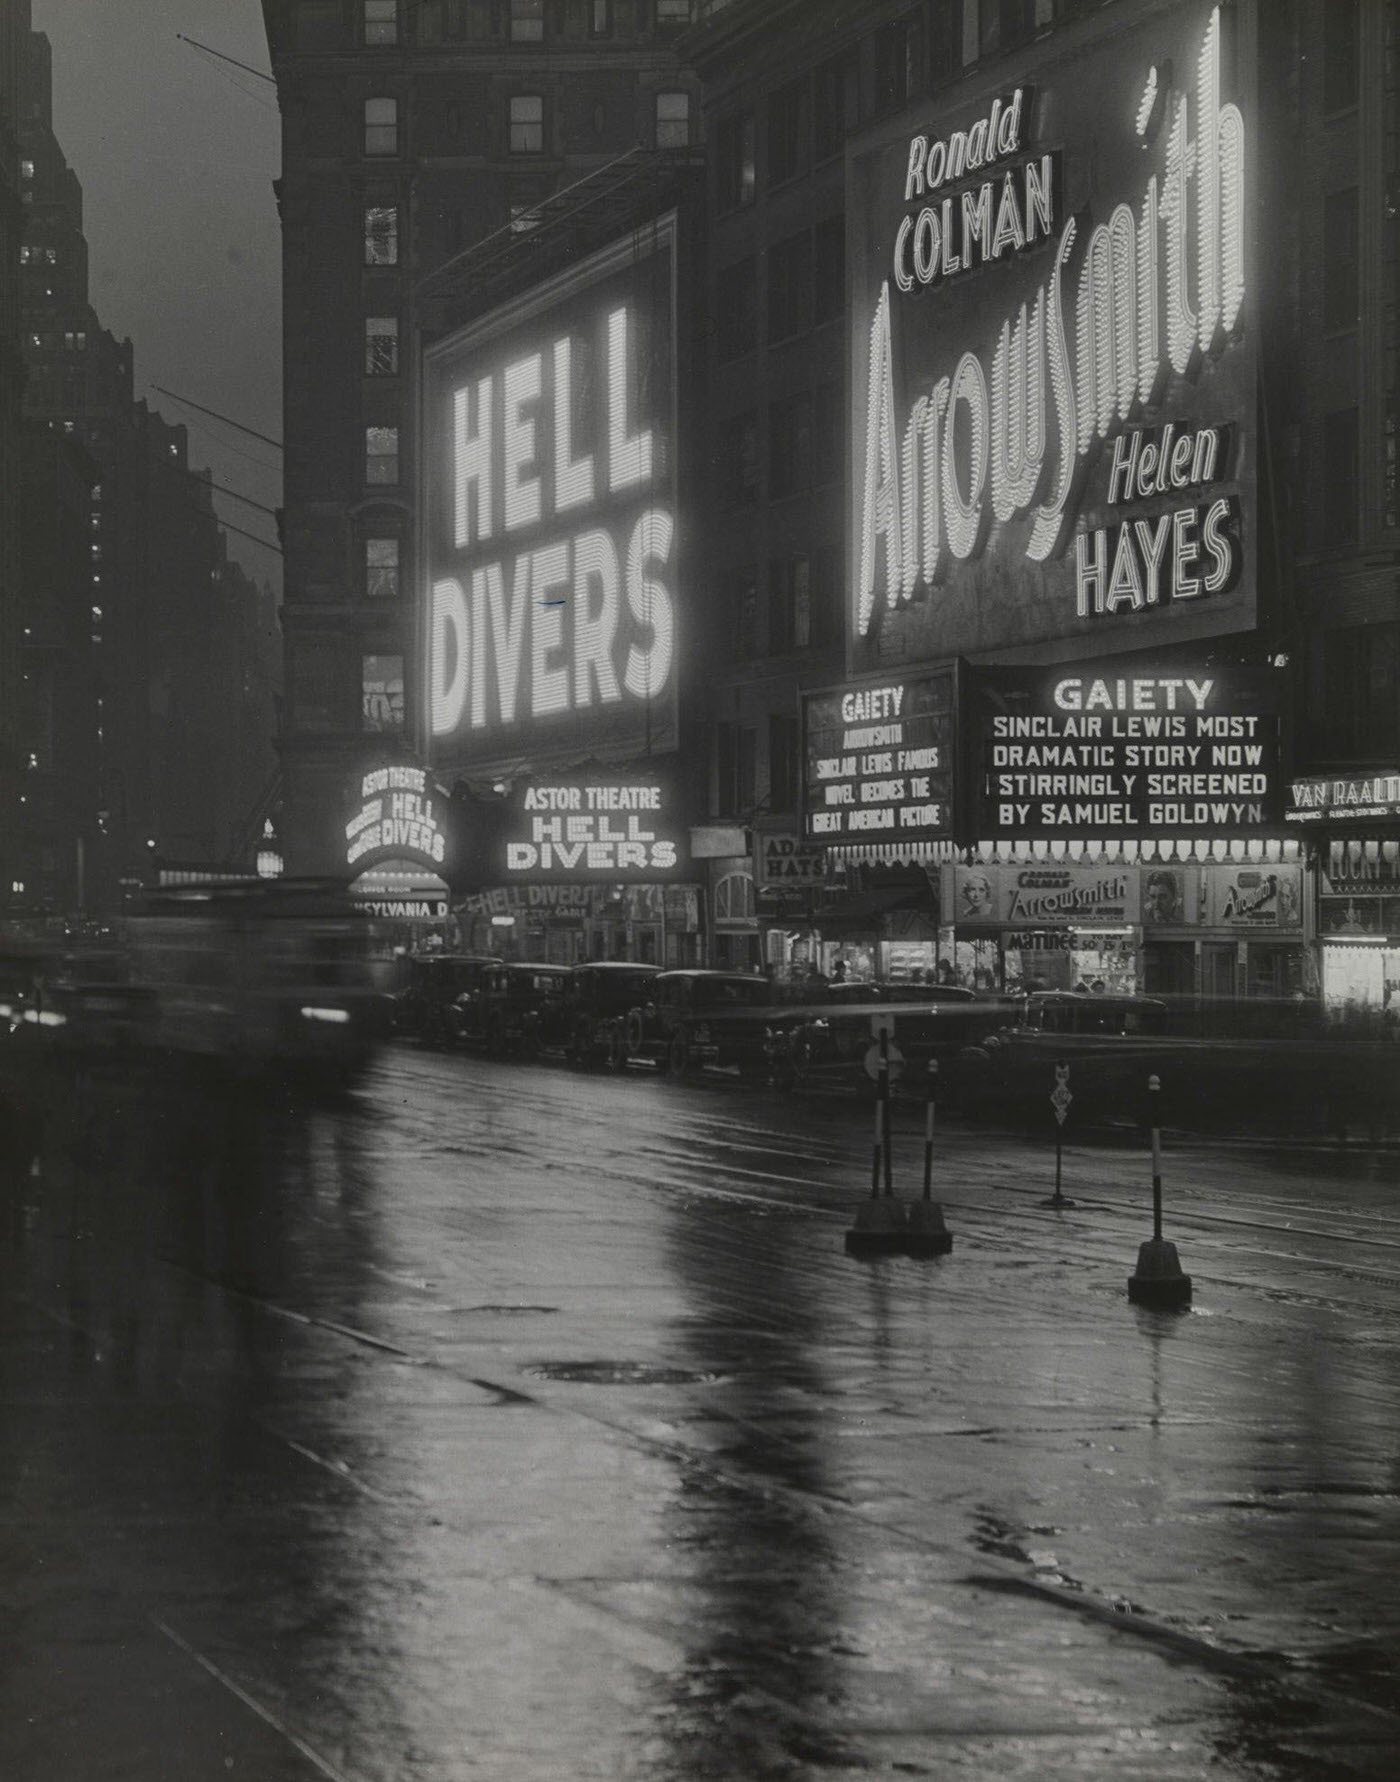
734	161
381	235
381	346
1341	53
790	287
381	455
736	309
829	109
381	126
790	446
739	476
1341	266
527	124
381	23
735	765
527	21
829	280
789	605
673	120
382	568
784	752
735	899
1360	716
787	132
899	58
1338	520
381	694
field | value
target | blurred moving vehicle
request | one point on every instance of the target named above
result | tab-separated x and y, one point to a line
423	1008
260	973
825	1045
696	1017
600	995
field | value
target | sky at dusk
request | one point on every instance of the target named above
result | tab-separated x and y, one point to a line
177	153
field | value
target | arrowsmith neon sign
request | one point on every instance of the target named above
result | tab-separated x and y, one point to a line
1005	435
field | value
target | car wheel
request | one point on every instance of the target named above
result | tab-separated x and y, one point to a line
636	1032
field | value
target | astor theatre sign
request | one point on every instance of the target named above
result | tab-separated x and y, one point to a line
1052	411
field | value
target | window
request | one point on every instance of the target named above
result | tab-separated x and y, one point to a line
829	277
787	132
736	792
381	346
826	433
784	747
1360	716
1341	45
382	568
673	120
789	605
26	170
1341	290
1338	519
899	61
315	680
527	21
527	124
381	24
381	693
741	604
790	286
736	309
381	126
739	479
672	15
381	235
1005	23
600	18
381	454
790	447
829	109
734	161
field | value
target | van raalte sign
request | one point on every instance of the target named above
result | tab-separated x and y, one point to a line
1053	394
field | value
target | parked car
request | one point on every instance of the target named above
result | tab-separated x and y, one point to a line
422	1009
599	997
533	1005
703	1017
825	1046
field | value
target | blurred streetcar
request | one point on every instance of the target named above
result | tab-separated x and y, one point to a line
268	974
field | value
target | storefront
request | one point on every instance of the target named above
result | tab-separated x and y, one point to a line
1359	931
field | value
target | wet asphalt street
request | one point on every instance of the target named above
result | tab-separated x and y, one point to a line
500	1422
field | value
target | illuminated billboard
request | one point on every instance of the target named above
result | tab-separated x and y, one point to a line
1140	751
1052	417
396	814
585	826
549	591
879	760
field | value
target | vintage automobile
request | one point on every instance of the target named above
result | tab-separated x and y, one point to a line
695	1017
599	997
534	1007
1219	1062
423	1008
826	1046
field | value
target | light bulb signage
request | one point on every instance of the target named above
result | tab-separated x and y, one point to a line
879	761
584	828
396	814
1349	798
1053	390
1105	750
551	580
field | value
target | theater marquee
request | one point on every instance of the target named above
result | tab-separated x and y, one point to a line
1052	353
549	534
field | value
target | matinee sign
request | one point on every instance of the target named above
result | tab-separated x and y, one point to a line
1053	379
1105	751
550	584
879	761
580	828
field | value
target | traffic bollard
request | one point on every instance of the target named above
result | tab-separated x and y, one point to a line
879	1227
1060	1098
1158	1281
928	1235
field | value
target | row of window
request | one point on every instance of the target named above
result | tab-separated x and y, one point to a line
806	287
736	763
799	608
519	21
318	688
525	124
804	448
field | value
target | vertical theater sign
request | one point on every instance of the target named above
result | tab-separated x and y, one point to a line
1053	377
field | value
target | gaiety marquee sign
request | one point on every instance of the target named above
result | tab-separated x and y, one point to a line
549	527
1052	366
